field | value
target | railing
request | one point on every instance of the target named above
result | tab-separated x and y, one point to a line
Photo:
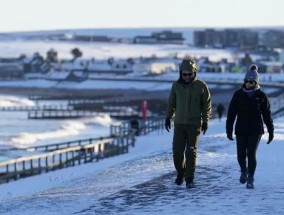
277	106
63	145
278	113
62	158
139	126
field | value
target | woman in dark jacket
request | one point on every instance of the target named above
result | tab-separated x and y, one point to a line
251	107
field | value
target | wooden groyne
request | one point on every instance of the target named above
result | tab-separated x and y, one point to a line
36	108
72	114
70	96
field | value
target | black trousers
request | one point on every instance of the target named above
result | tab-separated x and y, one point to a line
246	150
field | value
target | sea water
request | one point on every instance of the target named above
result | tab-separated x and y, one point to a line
17	131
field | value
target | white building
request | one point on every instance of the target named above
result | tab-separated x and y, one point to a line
281	56
155	66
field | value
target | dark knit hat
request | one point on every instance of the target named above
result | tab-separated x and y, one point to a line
188	65
252	74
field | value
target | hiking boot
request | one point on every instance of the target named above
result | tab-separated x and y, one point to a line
250	183
189	183
243	178
179	179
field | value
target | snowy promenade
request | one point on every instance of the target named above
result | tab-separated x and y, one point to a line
141	182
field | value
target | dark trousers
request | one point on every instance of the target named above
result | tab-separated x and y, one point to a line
246	149
185	142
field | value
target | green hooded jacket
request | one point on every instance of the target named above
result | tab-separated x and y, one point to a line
190	102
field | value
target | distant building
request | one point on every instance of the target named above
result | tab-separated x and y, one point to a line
11	70
91	38
230	38
74	75
163	37
155	66
145	40
273	39
244	39
77	75
36	64
270	67
169	37
111	66
247	39
95	67
281	56
208	37
199	38
210	67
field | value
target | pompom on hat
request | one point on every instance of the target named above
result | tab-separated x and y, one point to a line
252	74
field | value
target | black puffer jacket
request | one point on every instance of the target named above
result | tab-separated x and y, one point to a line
250	112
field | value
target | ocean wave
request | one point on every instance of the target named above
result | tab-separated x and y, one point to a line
13	101
66	129
103	120
70	128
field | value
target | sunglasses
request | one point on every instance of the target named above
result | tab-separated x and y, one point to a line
250	82
187	74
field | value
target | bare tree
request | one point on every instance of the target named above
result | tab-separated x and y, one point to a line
51	56
76	54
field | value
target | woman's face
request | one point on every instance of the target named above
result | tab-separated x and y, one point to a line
250	84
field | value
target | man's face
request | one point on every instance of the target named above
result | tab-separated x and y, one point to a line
187	76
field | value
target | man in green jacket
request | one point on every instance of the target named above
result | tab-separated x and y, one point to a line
190	101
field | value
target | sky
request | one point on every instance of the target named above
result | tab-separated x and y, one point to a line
31	15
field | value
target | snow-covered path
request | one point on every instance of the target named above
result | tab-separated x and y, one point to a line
141	182
217	192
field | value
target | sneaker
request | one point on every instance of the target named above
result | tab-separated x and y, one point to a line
179	179
250	183
243	178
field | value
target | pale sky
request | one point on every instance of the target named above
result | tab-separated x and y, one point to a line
27	15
